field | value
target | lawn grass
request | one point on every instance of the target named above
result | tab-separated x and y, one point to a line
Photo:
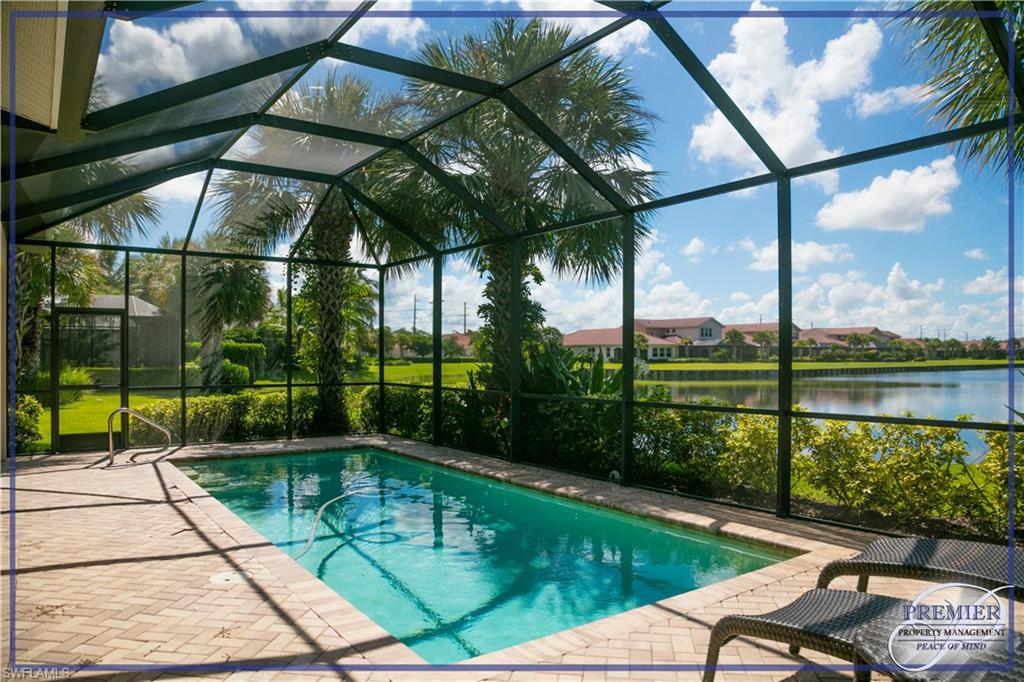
678	366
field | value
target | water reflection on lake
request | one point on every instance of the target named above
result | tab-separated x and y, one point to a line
943	395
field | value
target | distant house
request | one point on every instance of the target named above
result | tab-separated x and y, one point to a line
663	338
464	341
749	329
608	343
840	336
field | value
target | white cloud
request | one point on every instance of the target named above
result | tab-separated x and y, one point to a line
993	282
569	306
976	254
291	31
651	267
632	38
765	308
872	102
900	303
739	296
783	99
186	188
140	59
805	255
900	202
693	249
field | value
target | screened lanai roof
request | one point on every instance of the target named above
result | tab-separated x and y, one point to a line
247	122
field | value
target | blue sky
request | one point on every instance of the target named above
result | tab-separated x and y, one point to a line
912	242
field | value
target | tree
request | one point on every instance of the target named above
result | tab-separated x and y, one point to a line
258	213
640	345
685	342
588	100
765	339
969	85
858	342
226	291
451	348
990	347
734	338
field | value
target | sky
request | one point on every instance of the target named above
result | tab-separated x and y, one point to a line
916	244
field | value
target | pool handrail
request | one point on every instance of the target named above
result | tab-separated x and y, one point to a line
140	417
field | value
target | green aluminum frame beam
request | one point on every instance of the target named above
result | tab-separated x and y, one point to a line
568	154
204	86
412	69
294	248
135	183
437	421
191	132
195	214
458	189
889	150
387	216
628	349
784	448
196	253
324	130
997	34
290	82
274	171
129	146
715	92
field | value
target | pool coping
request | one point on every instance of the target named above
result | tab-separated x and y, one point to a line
346	619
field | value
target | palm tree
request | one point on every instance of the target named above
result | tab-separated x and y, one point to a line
588	100
765	339
259	213
685	342
734	338
225	292
968	84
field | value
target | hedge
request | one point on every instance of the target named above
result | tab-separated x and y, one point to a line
251	355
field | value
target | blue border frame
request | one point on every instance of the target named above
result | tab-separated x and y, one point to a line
12	665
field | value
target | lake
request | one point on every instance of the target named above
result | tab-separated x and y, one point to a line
942	395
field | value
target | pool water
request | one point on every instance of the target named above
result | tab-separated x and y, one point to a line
456	565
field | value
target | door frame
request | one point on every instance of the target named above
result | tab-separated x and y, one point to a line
55	356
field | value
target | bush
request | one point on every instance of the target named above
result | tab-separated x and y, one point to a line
720	355
253	356
27	412
40	382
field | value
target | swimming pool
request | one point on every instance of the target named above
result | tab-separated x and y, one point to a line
455	565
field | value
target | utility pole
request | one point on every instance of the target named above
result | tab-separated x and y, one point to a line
465	307
414	303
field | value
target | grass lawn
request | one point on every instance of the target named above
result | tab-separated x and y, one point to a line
89	414
798	366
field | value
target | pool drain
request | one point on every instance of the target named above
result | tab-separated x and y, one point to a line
230	577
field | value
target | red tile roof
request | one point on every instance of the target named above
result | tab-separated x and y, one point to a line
673	323
606	337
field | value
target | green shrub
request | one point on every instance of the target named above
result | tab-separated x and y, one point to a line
250	355
27	412
40	382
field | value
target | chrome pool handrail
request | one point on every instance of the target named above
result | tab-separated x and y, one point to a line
140	417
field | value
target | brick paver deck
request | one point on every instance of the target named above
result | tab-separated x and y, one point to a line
114	567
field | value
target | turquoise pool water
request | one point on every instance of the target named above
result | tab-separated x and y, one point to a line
455	565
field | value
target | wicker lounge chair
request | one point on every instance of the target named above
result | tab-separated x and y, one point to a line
975	563
853	626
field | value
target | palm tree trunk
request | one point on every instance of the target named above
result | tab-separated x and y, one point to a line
331	414
211	356
30	291
499	292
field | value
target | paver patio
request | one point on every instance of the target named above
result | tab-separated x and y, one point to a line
114	566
